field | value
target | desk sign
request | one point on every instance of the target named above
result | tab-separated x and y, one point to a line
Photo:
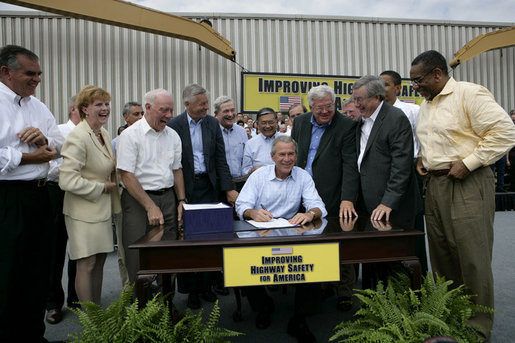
284	264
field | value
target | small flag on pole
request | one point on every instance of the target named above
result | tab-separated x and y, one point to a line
282	251
286	101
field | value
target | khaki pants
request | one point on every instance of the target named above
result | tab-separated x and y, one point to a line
459	219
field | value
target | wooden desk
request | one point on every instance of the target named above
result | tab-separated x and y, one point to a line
360	242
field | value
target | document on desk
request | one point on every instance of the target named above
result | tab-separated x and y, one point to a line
275	223
205	206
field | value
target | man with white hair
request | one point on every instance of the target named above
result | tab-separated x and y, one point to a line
235	138
149	162
327	151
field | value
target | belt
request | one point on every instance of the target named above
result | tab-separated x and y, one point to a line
199	176
440	172
34	183
159	191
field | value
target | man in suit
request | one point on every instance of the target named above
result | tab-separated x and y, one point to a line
385	162
327	151
205	171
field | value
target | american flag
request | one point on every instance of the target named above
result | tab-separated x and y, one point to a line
282	251
286	101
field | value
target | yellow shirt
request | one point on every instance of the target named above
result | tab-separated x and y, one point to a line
463	122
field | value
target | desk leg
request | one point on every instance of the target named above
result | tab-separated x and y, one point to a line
413	266
140	289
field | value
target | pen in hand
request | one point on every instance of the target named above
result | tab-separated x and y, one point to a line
263	207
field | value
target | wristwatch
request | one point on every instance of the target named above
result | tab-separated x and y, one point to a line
313	213
183	199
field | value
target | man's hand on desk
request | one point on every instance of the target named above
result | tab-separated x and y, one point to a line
347	209
260	215
302	218
381	211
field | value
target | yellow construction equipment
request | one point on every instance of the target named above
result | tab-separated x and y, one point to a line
492	40
128	15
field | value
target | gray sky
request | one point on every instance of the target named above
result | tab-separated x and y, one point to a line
466	10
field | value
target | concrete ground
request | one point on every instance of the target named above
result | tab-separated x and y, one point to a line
322	324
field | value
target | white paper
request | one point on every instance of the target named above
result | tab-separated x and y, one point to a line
204	206
275	223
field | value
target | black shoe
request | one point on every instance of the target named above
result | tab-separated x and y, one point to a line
344	304
209	296
298	328
193	301
54	316
221	290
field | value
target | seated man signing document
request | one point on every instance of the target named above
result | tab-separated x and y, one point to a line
276	191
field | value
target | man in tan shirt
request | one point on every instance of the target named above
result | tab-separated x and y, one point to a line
462	130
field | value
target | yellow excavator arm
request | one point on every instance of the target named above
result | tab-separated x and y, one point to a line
128	15
492	40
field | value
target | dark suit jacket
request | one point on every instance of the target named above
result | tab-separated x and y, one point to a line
387	171
214	153
334	168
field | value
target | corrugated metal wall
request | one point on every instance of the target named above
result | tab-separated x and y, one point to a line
128	63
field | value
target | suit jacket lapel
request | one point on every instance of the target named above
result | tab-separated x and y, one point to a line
206	140
187	147
95	140
305	131
327	136
358	136
375	128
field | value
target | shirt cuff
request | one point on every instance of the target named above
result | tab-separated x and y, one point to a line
472	162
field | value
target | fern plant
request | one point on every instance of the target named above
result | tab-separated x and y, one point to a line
123	322
399	314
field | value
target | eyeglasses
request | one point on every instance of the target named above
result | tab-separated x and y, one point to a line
419	79
321	108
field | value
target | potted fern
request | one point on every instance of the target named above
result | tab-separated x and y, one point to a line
399	314
123	322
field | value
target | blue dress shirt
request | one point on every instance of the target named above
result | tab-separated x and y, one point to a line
196	145
234	141
317	131
282	198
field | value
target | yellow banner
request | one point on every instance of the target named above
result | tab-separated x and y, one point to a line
279	91
284	264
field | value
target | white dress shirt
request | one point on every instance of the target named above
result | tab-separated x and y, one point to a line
150	155
366	128
411	111
53	171
16	114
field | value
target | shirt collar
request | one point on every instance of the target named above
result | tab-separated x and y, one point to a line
268	138
226	130
449	87
271	173
191	121
12	96
314	122
146	128
373	117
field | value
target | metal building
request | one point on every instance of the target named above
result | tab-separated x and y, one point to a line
128	63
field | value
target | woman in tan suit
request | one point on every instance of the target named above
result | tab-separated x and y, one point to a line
88	177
